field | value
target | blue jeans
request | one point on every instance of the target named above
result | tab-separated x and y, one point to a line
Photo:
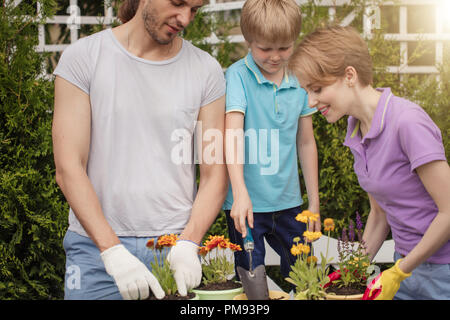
279	228
86	277
429	281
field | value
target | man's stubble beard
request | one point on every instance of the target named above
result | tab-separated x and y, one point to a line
151	23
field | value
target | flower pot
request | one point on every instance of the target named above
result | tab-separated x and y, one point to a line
196	297
273	295
342	297
218	294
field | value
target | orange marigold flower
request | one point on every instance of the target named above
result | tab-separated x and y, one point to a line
150	243
166	241
234	247
203	251
223	244
214	241
328	224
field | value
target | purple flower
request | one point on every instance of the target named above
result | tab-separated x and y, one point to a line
351	231
344	235
359	224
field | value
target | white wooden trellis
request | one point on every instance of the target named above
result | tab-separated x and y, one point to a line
371	19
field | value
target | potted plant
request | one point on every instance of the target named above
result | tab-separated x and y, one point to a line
309	278
218	270
349	282
161	268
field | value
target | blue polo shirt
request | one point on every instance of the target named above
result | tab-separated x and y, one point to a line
271	117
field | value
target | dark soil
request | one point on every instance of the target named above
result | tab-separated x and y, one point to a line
229	284
345	291
176	296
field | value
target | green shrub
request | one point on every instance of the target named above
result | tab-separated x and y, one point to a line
33	211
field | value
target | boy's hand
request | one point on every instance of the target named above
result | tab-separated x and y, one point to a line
315	226
241	210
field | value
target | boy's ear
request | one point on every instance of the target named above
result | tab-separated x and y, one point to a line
351	76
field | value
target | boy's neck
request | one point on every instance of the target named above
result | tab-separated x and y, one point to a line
276	78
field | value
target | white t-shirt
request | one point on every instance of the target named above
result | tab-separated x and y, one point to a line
136	107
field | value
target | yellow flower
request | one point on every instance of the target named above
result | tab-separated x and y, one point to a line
311	259
328	224
302	218
295	251
299	249
306	216
312	236
314	217
305	249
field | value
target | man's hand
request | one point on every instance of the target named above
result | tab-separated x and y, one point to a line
132	277
386	285
184	261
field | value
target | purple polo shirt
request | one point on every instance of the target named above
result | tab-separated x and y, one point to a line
401	138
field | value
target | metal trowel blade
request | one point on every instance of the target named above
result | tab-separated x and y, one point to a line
254	283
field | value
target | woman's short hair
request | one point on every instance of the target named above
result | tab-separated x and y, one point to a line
324	55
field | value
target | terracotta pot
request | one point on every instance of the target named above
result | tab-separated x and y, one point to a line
274	295
342	297
218	294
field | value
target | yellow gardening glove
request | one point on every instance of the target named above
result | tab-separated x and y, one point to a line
388	282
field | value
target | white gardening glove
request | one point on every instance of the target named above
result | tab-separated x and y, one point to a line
184	261
132	277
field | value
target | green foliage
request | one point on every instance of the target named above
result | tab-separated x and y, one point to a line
33	210
309	278
202	27
161	270
217	268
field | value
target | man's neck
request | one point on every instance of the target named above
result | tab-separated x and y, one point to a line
138	42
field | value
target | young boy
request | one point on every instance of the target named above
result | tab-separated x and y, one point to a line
268	104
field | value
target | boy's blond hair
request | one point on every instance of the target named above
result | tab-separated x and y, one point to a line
324	54
275	21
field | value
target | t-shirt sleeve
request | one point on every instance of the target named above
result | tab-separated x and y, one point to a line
75	65
235	97
306	110
215	83
420	138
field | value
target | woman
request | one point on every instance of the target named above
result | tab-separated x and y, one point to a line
399	159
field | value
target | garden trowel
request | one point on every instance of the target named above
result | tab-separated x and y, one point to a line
253	281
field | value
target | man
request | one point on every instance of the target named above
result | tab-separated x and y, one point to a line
121	96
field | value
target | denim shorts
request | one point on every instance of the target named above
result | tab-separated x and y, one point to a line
279	228
429	281
86	277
